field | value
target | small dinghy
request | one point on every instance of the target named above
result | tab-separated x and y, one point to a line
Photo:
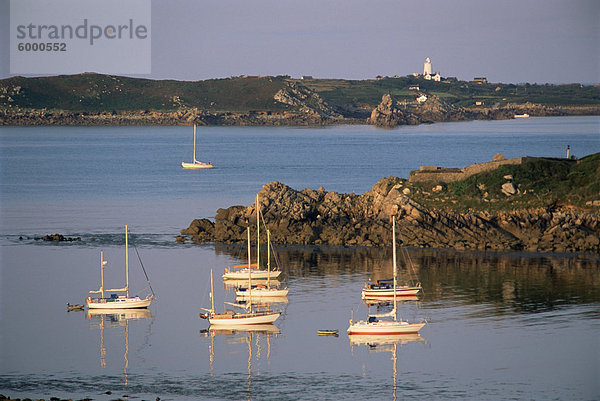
74	307
327	332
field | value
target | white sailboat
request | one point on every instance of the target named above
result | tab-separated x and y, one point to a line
373	325
116	301
262	291
383	290
241	272
195	164
231	318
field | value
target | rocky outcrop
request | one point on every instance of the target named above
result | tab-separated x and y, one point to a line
319	217
305	100
388	114
391	113
57	238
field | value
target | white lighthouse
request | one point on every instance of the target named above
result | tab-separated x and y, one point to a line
427	67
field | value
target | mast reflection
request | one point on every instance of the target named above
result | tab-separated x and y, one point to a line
113	319
251	335
378	343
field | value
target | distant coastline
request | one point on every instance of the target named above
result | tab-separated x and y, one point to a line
94	99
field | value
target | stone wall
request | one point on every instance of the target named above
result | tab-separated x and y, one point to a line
452	174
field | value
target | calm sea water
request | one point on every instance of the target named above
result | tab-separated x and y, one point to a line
501	325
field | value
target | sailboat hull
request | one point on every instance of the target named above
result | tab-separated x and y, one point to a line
234	319
255	274
384	327
267	328
262	293
118	303
377	293
196	166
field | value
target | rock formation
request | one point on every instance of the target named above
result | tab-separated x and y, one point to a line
319	217
388	114
391	113
307	101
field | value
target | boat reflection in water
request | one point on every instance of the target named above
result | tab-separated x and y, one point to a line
112	319
386	343
236	285
390	301
252	335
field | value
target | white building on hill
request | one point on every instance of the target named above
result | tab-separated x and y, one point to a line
427	67
427	71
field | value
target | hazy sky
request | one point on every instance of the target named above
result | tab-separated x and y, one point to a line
543	41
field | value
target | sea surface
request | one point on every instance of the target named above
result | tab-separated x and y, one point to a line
500	325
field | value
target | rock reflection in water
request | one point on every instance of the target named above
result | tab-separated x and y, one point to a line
513	282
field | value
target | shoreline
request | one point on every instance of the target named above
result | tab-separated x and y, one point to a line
275	119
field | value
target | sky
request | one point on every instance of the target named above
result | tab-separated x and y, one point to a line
509	41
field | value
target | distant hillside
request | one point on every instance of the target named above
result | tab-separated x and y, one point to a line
103	99
95	92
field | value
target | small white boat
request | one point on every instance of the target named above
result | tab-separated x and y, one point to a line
116	301
524	115
241	272
382	290
195	164
373	325
261	291
230	318
384	327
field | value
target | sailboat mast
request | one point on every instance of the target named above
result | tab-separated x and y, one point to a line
102	273
194	143
268	258
394	257
249	271
257	234
212	293
126	262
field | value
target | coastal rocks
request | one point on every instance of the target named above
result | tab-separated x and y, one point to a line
318	217
436	109
57	238
305	100
387	113
305	117
391	113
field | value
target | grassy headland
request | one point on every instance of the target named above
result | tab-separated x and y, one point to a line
87	99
